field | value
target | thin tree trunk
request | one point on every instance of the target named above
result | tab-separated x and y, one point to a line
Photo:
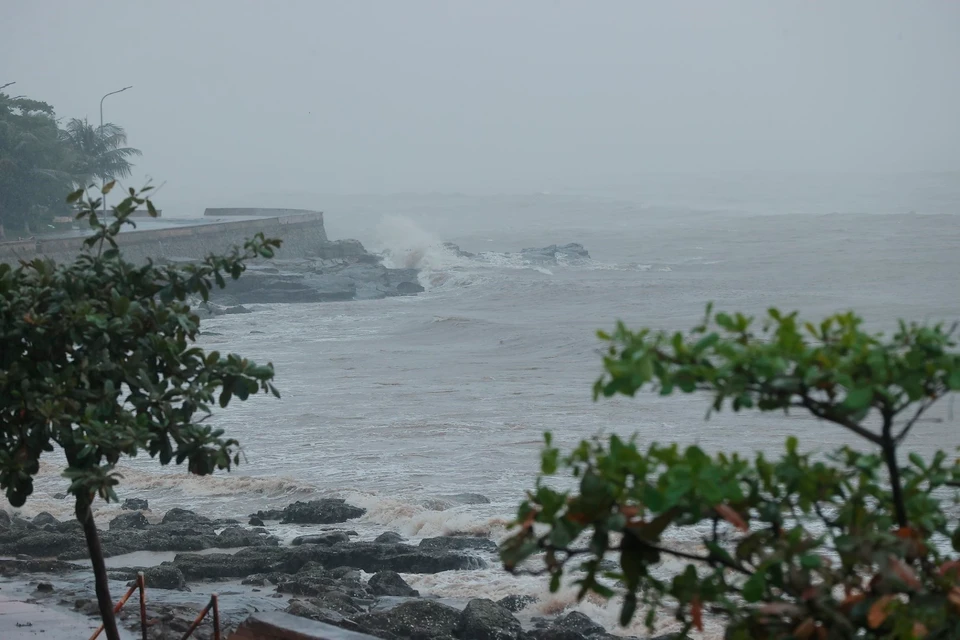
85	516
889	446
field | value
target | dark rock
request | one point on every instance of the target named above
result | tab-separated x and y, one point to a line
322	584
366	556
419	619
457	251
16	567
41	544
372	557
344	573
59	496
326	511
459	543
409	288
236	309
244	563
135	520
312	608
389	537
165	576
255	521
135	504
579	623
257	579
240	537
555	253
515	603
5	522
269	514
70	526
16	522
182	515
44	587
44	518
331	538
467	498
389	583
484	619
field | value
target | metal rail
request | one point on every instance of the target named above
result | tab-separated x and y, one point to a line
141	585
213	604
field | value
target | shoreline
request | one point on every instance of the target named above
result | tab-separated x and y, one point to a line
328	574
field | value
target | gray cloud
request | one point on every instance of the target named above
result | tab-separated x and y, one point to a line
243	96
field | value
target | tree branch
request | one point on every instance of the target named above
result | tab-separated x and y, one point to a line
709	559
926	404
889	446
820	411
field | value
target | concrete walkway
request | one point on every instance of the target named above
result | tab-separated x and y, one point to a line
20	620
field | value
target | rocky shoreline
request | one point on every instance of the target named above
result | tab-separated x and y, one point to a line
325	575
358	275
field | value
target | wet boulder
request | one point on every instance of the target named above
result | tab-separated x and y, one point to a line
408	288
165	576
554	253
319	583
135	504
325	511
484	619
467	498
183	515
330	538
245	562
572	626
44	518
240	537
389	537
372	557
269	514
134	520
412	619
459	543
43	544
516	603
389	583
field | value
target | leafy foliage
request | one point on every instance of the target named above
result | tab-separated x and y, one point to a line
39	162
99	152
96	357
852	545
34	164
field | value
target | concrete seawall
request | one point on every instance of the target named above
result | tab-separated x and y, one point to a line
303	235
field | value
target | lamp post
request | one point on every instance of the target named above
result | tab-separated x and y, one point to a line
101	135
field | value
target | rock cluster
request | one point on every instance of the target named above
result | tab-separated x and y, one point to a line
320	575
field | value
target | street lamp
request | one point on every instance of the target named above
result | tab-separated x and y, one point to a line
101	135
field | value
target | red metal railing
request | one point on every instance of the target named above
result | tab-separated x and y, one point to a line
214	604
141	585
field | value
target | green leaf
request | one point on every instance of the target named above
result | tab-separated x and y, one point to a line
107	188
858	399
810	561
954	380
152	210
754	587
74	196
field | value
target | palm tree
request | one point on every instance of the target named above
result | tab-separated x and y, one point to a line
99	151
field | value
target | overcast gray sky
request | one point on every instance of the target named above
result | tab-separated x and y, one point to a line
365	96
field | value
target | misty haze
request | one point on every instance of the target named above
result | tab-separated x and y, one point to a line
465	193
